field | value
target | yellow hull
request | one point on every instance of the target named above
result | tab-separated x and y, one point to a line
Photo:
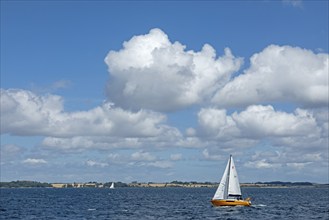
225	202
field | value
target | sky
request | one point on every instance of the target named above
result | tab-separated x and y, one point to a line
157	91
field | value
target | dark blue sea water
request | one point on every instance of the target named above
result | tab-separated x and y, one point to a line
160	203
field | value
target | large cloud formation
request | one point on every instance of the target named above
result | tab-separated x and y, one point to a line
279	74
153	73
25	113
296	139
258	121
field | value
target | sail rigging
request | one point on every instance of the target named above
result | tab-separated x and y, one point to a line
229	184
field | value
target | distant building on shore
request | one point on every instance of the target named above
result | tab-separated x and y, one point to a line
77	185
58	185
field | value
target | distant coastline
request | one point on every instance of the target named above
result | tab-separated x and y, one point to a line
192	184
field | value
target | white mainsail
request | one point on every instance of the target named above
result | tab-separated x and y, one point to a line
234	185
112	185
229	184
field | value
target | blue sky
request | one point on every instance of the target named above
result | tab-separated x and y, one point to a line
162	91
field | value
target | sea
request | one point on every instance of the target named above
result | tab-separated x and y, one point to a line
160	203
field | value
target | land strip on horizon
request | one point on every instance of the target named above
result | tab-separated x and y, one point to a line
192	184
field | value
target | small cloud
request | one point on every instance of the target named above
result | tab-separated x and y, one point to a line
208	156
142	156
161	164
261	164
113	156
92	163
190	132
61	84
176	157
50	88
298	165
33	161
293	3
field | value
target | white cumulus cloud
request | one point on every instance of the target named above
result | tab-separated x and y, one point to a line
279	74
25	113
300	129
151	72
299	137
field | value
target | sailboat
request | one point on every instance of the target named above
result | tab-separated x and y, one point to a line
112	185
228	192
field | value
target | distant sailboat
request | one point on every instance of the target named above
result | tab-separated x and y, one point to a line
228	192
112	185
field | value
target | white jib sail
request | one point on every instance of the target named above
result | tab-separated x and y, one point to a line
221	192
234	185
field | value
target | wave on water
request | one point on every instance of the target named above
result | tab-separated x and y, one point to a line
259	205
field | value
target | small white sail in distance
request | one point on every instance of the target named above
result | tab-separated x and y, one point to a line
112	185
229	184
